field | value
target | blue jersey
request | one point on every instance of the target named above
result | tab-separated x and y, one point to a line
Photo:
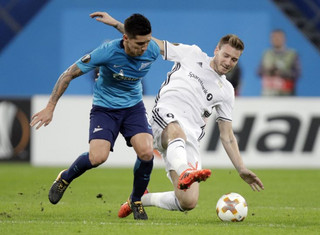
119	82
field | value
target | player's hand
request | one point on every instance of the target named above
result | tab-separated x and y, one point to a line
44	117
105	18
251	178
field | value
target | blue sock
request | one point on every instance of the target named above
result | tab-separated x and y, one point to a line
142	170
78	167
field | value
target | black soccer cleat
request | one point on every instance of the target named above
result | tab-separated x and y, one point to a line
138	210
57	189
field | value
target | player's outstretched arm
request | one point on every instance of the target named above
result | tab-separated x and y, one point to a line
44	117
230	145
105	18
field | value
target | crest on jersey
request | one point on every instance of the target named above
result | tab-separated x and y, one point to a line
144	65
86	58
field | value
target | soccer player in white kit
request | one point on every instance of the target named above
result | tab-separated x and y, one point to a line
195	85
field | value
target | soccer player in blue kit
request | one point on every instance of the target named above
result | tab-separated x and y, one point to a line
117	107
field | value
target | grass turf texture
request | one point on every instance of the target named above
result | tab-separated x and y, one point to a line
288	205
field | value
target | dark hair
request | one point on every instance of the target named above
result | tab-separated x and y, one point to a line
232	40
135	25
278	31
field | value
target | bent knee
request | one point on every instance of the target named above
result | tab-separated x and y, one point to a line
99	151
188	205
97	159
145	154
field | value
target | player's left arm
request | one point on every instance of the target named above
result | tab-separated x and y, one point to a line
230	145
105	18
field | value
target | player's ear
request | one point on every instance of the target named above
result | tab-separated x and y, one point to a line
125	37
216	50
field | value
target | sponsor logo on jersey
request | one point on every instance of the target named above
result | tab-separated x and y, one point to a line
192	75
120	76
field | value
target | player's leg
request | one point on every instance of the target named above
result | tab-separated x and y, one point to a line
138	134
173	139
142	144
101	137
187	199
99	151
177	200
165	200
98	154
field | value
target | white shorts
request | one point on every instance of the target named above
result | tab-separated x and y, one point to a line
160	118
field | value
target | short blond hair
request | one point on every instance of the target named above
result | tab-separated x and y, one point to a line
233	40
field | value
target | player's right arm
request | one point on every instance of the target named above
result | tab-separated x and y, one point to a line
109	20
44	117
230	145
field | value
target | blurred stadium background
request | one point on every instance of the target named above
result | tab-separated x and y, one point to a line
40	39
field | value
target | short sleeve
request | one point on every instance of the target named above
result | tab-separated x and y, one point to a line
177	52
225	108
96	58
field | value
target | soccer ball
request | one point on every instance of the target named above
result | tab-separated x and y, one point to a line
232	207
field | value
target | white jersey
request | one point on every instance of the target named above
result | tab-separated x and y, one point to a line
191	90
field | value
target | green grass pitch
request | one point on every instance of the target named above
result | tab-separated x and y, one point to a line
290	203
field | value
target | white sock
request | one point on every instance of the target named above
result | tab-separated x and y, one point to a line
164	200
177	155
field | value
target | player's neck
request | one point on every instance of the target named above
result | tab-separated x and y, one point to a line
213	66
